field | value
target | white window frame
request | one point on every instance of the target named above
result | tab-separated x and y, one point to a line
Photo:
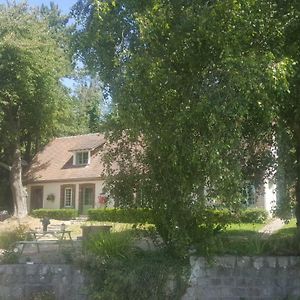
80	161
68	197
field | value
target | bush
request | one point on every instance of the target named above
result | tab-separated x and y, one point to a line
132	215
9	257
58	214
143	215
253	215
225	216
117	270
8	238
108	245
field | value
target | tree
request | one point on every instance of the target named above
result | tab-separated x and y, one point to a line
195	81
89	98
31	95
288	108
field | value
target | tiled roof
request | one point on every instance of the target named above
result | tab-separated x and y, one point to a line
55	161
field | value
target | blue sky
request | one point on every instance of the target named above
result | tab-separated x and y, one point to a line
64	5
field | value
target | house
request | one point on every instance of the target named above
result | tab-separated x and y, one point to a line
67	174
264	196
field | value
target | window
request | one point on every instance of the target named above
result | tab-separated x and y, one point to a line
68	197
82	158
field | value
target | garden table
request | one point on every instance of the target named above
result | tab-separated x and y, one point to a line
38	237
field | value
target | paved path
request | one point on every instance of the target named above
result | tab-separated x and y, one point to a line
272	227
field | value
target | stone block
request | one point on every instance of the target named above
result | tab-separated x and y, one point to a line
17	292
5	292
237	292
10	269
258	262
33	278
226	261
198	269
215	282
242	281
295	261
31	269
2	269
243	262
270	261
283	261
44	269
229	281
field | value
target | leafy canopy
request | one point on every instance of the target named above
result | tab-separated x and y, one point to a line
192	85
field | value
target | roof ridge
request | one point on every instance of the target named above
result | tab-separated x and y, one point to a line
74	136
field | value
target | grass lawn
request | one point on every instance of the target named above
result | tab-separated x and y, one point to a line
238	239
244	229
289	230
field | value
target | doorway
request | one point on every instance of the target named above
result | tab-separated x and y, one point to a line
86	197
36	197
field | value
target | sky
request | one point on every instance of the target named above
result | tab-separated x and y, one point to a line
64	5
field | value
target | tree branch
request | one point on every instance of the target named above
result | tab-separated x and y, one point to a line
5	166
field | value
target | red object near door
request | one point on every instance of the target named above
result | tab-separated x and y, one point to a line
102	199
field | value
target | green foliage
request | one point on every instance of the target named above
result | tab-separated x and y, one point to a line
253	215
9	257
130	215
192	85
144	215
58	214
119	271
256	244
34	105
245	243
107	245
8	238
88	98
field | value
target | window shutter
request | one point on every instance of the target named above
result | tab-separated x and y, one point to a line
80	203
93	195
62	196
73	195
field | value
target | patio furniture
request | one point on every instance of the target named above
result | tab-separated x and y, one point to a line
38	238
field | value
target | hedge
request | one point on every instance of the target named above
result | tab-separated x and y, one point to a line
58	214
253	215
121	215
142	215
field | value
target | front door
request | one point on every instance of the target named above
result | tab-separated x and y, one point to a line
36	197
87	197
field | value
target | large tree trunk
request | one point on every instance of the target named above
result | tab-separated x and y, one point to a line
18	193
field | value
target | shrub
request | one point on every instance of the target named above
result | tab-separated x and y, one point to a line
107	245
225	216
253	215
143	215
131	215
117	270
58	214
8	238
9	257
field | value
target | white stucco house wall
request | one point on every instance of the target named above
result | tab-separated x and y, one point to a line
67	173
267	198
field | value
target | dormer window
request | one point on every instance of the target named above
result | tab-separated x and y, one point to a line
81	158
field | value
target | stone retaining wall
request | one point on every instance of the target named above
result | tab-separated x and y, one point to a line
227	278
29	282
244	278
